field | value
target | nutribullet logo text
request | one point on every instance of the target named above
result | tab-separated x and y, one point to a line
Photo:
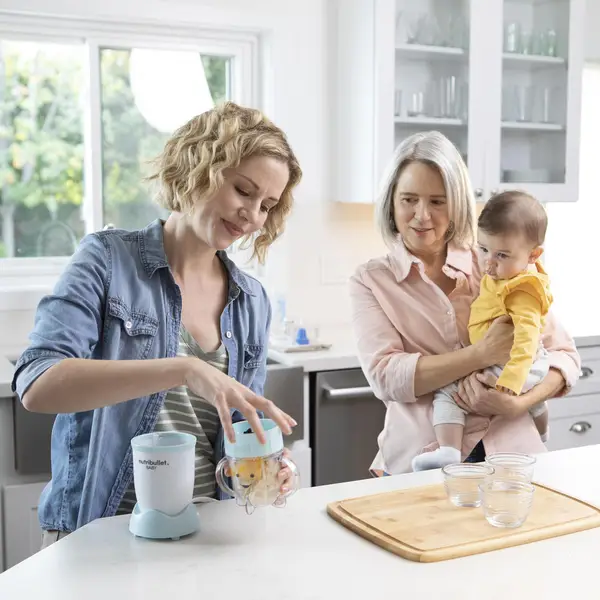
152	464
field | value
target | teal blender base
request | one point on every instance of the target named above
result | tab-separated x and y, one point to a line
156	525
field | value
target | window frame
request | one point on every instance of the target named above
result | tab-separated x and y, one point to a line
242	46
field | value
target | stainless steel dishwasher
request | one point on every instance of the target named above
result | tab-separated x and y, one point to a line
346	419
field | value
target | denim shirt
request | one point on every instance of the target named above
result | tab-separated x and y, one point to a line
117	300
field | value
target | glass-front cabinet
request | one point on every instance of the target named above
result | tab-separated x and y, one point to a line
432	69
536	145
500	78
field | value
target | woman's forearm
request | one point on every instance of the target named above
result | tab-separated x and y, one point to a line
76	385
549	387
435	372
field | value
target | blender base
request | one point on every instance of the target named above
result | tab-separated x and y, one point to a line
157	525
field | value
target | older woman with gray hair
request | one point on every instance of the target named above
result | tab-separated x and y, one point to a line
410	310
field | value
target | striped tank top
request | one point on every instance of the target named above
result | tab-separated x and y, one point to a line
184	411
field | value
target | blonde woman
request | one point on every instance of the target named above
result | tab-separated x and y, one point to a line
411	309
157	329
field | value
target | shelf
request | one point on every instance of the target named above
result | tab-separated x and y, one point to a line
533	60
434	121
430	52
526	126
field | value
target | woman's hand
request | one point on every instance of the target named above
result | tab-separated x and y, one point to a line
477	394
226	393
285	475
498	341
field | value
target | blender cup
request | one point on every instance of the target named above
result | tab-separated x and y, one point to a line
252	467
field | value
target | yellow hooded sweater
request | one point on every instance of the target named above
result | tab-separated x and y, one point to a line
526	299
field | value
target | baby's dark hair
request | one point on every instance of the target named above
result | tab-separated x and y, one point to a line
514	212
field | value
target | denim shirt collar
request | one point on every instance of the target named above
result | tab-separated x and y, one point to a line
153	257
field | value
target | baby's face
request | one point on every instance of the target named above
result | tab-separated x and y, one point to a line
505	256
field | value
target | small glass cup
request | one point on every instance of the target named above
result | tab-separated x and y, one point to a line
397	103
506	502
462	482
512	37
512	465
416	106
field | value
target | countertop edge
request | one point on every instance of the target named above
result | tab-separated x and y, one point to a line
338	357
7	370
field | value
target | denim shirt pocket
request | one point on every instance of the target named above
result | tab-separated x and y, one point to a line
132	331
253	356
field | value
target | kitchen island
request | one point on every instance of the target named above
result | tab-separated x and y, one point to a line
300	553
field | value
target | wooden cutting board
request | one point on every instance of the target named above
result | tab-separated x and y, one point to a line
421	524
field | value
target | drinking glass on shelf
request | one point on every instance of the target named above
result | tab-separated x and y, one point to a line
548	43
512	37
524	98
416	105
544	105
450	30
422	29
517	103
526	44
443	97
397	103
462	108
548	104
450	95
415	28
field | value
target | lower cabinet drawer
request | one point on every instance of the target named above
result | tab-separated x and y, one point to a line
574	431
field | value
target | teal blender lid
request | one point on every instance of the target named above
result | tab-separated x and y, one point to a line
246	443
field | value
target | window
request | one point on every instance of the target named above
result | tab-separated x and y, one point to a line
41	148
572	226
140	108
81	117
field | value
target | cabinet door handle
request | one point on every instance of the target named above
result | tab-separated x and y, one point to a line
580	427
585	373
346	393
479	193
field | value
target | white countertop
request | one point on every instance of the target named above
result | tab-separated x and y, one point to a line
341	355
300	553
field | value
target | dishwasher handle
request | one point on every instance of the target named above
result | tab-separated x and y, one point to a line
349	393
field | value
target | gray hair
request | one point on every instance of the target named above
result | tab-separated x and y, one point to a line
435	149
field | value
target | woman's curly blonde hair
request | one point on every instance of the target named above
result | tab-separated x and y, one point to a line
196	155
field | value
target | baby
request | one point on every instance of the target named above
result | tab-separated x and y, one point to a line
512	228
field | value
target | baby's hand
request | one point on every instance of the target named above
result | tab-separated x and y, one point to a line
506	391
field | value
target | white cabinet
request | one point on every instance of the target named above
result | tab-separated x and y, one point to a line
500	78
575	430
575	419
22	532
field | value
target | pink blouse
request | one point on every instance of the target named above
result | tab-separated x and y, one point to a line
399	315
